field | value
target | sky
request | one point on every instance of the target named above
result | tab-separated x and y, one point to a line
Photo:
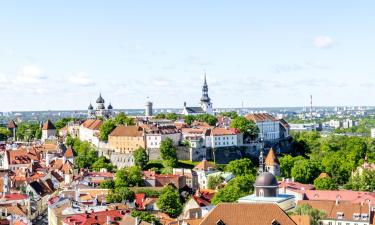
59	55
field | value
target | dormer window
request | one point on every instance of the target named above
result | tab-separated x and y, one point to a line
275	222
220	222
356	216
340	215
364	216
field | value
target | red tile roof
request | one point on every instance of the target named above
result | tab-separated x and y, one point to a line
94	218
48	125
331	208
92	124
343	195
22	156
69	153
249	214
204	165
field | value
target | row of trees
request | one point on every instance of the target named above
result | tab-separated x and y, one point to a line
338	156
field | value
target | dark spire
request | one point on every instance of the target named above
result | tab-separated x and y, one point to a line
100	99
205	97
90	107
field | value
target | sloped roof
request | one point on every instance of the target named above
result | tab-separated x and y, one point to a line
249	214
204	165
48	125
260	117
195	110
331	208
69	153
128	131
271	159
92	124
11	124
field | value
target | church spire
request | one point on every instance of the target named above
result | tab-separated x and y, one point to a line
205	97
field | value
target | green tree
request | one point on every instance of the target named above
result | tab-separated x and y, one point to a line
145	216
102	162
286	164
123	119
108	184
4	134
305	171
27	131
62	122
140	157
241	167
171	116
210	119
69	141
362	182
169	202
189	119
125	193
325	183
168	153
160	116
106	128
214	181
231	114
245	126
128	177
238	187
306	210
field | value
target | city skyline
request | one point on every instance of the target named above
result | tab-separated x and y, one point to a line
61	56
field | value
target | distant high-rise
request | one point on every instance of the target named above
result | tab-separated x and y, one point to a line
148	110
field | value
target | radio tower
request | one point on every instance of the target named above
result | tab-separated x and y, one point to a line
311	106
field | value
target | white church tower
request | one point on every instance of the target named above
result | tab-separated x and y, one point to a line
206	103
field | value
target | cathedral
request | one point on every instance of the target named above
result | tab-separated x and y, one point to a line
100	110
205	103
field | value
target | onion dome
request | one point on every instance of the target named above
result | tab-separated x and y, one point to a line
90	107
110	106
266	179
100	99
101	106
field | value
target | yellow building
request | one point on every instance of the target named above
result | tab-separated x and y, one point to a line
125	139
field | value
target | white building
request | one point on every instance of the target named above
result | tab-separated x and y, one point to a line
270	128
89	131
205	103
203	169
48	131
156	134
222	137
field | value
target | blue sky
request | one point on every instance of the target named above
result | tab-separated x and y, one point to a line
262	53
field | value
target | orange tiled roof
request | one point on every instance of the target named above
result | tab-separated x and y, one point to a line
22	156
249	214
204	165
331	208
271	159
128	131
69	153
92	124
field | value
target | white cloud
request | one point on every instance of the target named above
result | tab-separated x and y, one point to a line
81	79
323	42
31	74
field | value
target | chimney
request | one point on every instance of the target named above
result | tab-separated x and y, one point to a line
337	200
137	221
108	220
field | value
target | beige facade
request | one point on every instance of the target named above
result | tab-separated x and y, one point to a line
125	139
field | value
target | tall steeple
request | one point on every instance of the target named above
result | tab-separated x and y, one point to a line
205	100
205	97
